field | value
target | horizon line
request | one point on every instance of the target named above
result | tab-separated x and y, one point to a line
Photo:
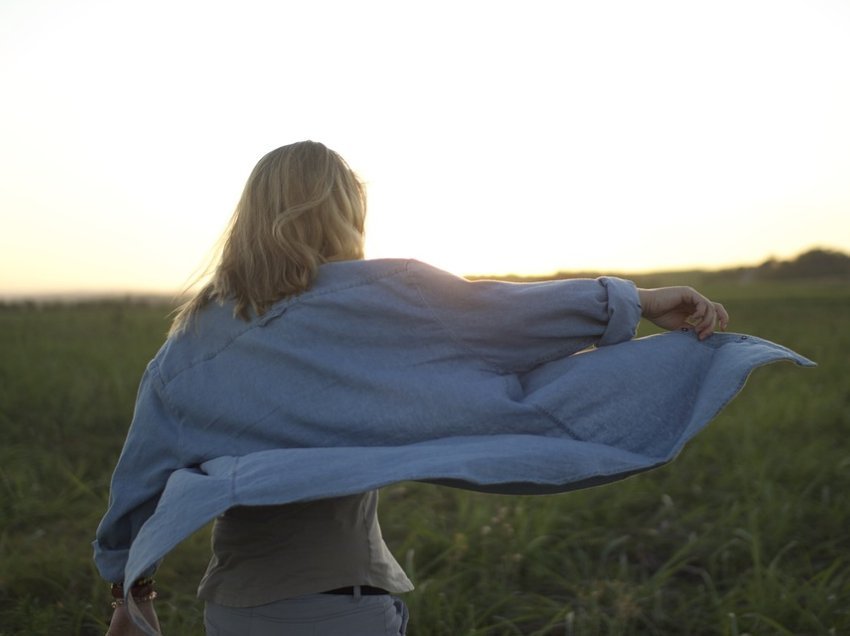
177	296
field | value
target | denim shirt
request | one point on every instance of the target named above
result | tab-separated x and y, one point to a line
392	370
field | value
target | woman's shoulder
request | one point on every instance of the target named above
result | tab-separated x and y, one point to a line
215	327
211	330
361	271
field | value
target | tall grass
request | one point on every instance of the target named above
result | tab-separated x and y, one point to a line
745	533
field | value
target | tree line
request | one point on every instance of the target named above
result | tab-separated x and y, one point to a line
815	264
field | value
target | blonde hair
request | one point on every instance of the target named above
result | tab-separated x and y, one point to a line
302	206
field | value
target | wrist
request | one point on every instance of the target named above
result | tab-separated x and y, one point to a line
644	300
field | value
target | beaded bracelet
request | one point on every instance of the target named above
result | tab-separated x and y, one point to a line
147	598
142	591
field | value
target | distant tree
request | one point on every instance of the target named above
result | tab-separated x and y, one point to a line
816	263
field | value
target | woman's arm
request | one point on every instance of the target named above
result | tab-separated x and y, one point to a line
151	453
516	326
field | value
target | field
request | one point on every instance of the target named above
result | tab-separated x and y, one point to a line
747	532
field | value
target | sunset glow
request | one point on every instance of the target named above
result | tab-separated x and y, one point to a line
494	137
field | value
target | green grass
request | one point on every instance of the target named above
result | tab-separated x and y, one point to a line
747	532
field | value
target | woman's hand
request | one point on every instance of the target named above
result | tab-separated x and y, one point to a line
123	625
677	307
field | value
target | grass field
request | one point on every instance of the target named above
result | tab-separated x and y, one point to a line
748	531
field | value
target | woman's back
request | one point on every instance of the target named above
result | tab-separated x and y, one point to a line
358	359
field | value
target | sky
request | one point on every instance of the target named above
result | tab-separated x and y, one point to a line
494	137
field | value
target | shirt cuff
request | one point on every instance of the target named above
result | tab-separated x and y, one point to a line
110	563
624	310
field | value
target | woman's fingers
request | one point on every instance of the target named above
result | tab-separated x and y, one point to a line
708	317
722	316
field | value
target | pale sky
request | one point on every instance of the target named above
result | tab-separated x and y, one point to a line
494	137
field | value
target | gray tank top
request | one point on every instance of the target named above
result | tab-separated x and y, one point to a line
270	553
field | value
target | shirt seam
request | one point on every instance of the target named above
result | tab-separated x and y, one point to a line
173	412
458	341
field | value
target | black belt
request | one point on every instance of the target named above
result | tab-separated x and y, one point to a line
365	590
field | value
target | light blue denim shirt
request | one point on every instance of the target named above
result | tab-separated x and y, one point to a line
392	370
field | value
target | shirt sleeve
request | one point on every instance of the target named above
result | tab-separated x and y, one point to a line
151	453
517	326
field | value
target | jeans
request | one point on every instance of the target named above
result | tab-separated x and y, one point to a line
311	615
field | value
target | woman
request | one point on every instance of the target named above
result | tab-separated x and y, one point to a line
302	378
